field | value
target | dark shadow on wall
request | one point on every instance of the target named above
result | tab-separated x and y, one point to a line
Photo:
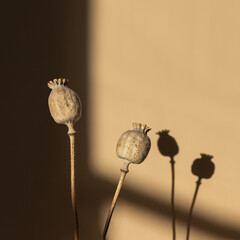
42	40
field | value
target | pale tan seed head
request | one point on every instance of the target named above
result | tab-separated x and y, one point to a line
64	104
134	145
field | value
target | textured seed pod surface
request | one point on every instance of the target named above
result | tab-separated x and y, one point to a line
64	104
134	145
203	167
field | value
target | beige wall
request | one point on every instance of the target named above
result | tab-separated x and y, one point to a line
173	65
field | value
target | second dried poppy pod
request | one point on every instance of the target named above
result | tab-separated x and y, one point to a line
203	167
134	145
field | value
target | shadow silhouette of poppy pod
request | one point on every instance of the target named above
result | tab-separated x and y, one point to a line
167	145
203	167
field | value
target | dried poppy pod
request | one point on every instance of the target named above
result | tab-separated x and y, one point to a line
64	104
203	167
134	145
65	108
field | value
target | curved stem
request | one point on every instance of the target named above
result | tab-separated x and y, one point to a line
114	201
191	209
172	198
73	194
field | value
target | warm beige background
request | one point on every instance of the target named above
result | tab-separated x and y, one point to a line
173	65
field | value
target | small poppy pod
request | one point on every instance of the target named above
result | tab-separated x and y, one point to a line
134	145
167	145
203	167
64	104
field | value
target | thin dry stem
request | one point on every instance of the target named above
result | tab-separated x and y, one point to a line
114	201
73	193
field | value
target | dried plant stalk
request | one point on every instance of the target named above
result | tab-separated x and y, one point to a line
114	201
73	192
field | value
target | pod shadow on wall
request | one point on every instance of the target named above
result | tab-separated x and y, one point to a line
42	40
